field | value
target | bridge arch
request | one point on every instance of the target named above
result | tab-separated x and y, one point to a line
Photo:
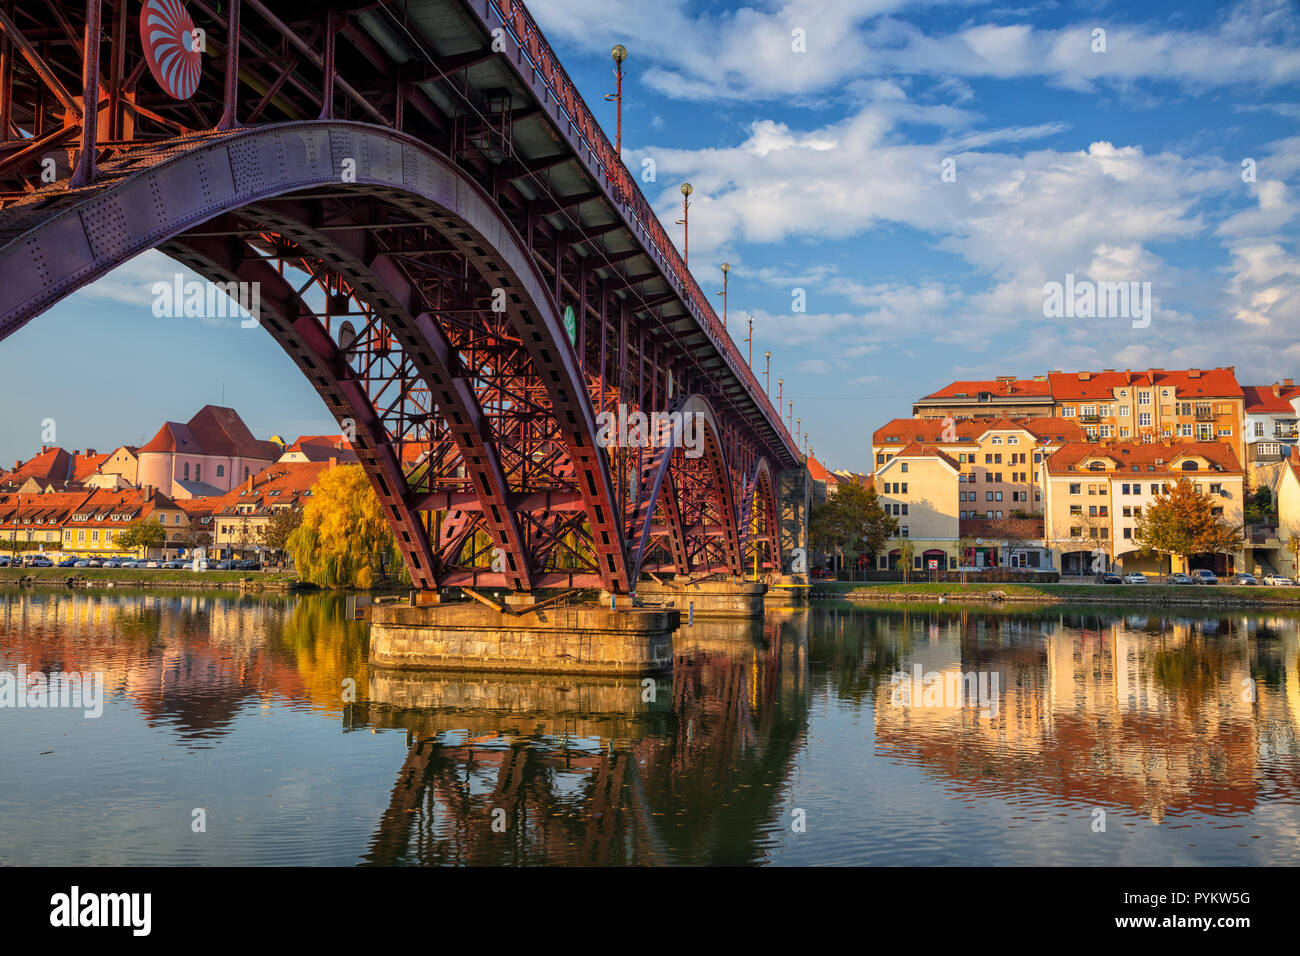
691	493
189	204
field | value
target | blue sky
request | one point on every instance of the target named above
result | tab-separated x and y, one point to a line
821	170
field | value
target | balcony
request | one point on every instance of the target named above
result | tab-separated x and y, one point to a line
1286	432
1204	415
1090	419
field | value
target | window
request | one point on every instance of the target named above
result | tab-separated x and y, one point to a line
1144	398
1067	412
904	489
1123	411
1128	533
186	472
1144	420
1075	489
1013	440
1076	509
997	440
1123	433
1259	429
904	509
998	496
1106	431
903	466
988	496
198	472
246	472
902	531
221	471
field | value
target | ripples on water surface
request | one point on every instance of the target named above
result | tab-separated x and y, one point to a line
1181	729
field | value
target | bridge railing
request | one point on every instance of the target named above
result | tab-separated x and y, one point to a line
546	65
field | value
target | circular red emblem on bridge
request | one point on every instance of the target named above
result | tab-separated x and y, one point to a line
168	36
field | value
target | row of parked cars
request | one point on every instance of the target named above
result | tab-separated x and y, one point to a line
1201	576
178	564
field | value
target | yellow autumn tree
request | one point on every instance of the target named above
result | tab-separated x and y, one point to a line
343	540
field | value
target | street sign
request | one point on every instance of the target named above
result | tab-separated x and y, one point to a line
933	564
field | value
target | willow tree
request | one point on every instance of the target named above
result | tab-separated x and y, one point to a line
343	540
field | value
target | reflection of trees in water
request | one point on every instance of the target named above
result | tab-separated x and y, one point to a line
323	645
702	791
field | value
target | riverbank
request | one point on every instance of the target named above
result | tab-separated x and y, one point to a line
995	593
145	578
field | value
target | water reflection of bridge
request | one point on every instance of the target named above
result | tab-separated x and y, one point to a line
592	770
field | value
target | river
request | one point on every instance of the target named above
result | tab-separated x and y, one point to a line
246	730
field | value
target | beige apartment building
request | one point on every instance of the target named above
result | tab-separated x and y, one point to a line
1187	405
1095	492
997	458
917	486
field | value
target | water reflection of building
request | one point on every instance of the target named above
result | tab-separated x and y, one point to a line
1152	713
187	661
592	770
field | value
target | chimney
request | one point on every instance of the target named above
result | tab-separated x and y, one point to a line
1277	390
1084	376
1193	373
250	483
333	461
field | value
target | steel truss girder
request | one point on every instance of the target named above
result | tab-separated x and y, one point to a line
84	238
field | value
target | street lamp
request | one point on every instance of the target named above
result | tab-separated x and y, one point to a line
726	267
780	394
790	414
798	432
767	373
685	222
750	340
619	53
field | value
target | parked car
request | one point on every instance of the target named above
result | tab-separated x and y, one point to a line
1278	580
153	563
1109	577
4	561
1241	577
1135	577
175	564
38	561
1178	577
96	562
1205	576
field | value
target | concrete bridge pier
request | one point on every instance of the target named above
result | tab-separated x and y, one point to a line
726	597
522	635
788	590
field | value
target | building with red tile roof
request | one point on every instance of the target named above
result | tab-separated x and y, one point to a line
1004	395
1272	424
1095	493
239	515
214	447
52	468
93	527
36	520
320	448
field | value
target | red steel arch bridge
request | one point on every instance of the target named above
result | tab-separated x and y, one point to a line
442	239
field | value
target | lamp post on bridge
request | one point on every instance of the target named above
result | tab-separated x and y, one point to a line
789	418
726	267
798	432
685	222
619	54
780	394
767	375
750	340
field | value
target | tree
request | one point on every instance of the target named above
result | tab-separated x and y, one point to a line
1260	507
141	534
343	540
1293	548
906	552
274	534
852	519
1183	523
